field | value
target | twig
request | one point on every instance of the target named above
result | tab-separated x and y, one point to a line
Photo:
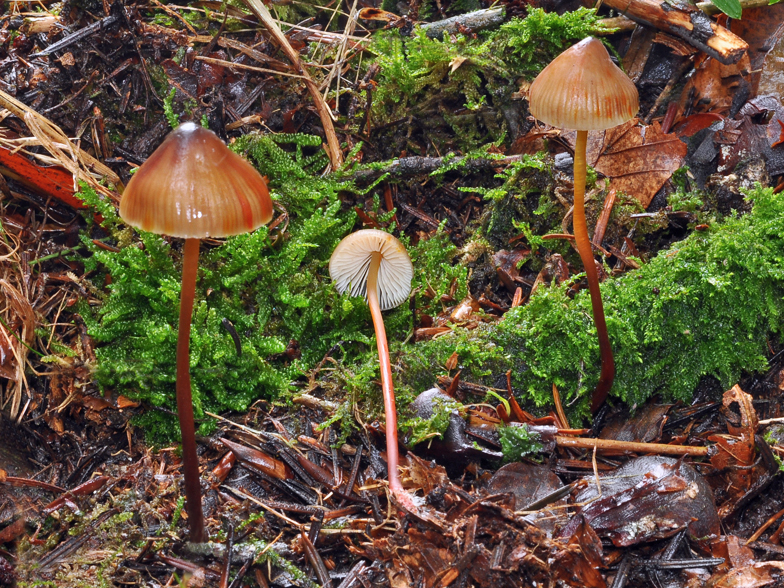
333	146
83	33
611	444
690	24
475	21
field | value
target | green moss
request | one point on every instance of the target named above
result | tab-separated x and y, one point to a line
420	429
518	441
271	288
704	307
530	43
421	76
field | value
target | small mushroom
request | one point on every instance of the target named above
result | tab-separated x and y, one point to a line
374	264
193	186
582	89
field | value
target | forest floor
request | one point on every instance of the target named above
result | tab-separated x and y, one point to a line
359	119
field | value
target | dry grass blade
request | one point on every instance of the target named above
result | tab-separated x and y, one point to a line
24	311
80	163
333	145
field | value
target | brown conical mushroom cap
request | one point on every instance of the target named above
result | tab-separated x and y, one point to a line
193	186
350	262
582	89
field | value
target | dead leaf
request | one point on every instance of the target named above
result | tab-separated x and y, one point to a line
506	264
649	498
456	63
377	14
761	28
123	402
96	404
7	360
638	159
754	576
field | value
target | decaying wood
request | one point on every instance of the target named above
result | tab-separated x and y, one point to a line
474	21
686	22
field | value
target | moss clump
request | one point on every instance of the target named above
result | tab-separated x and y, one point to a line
518	441
704	307
273	288
419	73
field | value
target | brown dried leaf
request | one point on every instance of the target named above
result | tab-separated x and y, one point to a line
638	159
644	427
506	263
8	364
650	498
96	404
258	460
123	402
424	475
578	562
753	576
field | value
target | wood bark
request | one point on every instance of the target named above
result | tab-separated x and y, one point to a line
688	23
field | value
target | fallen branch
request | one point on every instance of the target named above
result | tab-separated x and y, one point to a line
416	166
474	21
688	23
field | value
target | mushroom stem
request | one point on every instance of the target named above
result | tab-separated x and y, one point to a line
586	254
390	411
190	461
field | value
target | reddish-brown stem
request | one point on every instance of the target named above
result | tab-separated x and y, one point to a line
586	254
395	486
190	461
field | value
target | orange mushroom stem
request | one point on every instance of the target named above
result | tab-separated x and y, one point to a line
387	388
585	250
190	460
582	89
375	263
193	186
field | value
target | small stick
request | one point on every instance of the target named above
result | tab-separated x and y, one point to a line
611	444
604	218
559	408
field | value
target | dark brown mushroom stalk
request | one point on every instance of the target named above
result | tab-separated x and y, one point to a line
193	187
374	264
582	89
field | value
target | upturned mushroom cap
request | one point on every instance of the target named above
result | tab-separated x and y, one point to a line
583	90
350	263
193	186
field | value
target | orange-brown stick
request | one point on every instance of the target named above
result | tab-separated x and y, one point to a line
613	445
390	411
190	461
586	254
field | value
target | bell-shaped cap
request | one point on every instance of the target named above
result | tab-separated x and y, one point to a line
350	263
193	186
583	90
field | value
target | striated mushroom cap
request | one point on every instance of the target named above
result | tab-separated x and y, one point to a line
583	90
193	186
350	263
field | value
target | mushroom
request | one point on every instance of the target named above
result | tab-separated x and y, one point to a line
191	187
374	264
582	89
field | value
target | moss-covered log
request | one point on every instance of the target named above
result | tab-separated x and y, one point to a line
707	306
